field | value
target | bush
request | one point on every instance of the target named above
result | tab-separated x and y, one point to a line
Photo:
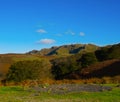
24	70
102	54
88	59
63	66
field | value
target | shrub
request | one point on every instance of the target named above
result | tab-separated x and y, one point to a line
63	66
24	70
88	59
102	54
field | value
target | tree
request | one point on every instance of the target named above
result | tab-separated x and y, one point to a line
23	70
88	59
102	54
63	66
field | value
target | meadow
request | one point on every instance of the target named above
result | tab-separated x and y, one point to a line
20	94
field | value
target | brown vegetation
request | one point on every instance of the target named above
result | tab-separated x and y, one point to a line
107	68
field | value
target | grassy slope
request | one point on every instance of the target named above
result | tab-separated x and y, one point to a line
17	94
67	50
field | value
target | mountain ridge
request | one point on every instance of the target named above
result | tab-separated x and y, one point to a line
65	49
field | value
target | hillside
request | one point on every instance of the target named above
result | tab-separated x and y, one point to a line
104	62
66	50
78	61
109	68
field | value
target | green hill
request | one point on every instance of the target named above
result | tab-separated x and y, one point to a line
66	50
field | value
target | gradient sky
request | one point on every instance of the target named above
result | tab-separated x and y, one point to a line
34	24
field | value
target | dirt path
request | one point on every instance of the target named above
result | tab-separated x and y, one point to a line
70	88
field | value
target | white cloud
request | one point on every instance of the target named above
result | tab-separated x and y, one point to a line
46	41
41	31
82	34
70	32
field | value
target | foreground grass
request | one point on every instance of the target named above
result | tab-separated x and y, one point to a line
18	94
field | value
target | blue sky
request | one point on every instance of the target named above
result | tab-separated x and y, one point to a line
34	24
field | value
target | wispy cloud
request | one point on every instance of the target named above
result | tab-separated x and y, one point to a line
41	31
70	32
82	34
46	41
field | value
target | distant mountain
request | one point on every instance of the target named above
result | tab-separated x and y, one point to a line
66	50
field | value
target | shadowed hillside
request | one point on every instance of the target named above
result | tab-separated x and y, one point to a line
108	68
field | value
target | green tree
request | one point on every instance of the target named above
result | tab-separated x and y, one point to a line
102	54
88	59
63	66
23	70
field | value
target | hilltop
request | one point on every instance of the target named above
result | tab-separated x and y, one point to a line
66	50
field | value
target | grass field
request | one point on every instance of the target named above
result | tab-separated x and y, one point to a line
18	94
